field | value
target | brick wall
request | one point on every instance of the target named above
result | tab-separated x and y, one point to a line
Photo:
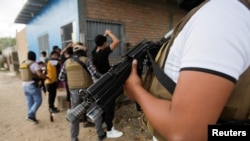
142	19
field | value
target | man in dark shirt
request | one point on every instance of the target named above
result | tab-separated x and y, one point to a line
101	52
100	57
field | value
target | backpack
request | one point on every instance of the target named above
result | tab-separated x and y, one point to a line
238	105
25	72
78	76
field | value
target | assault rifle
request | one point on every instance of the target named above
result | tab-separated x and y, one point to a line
100	94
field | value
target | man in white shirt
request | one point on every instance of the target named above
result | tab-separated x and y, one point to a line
205	60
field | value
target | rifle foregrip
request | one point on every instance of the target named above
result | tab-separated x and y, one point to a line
73	115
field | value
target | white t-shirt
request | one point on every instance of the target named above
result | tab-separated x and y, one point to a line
215	40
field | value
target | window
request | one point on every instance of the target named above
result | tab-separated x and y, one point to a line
43	43
66	34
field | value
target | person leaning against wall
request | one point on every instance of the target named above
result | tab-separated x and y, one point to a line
100	56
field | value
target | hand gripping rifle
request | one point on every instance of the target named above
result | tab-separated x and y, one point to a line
100	94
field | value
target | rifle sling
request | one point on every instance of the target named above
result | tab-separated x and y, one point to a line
163	78
81	63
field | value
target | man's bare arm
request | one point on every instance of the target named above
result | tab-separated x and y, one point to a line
197	101
115	40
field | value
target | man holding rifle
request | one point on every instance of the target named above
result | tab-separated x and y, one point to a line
206	59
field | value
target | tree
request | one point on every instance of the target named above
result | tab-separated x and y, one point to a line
7	42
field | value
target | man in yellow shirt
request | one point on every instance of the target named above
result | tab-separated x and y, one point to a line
51	82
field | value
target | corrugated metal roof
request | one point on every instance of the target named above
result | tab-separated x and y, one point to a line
30	10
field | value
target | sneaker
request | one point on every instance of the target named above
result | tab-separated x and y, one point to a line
154	138
103	137
114	133
32	120
88	124
53	110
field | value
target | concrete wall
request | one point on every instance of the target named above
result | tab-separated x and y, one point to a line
57	14
21	45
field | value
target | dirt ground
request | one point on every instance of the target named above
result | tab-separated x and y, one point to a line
14	127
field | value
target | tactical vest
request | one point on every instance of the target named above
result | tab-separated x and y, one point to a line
25	72
238	105
77	75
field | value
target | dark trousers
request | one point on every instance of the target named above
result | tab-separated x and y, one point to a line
108	116
51	88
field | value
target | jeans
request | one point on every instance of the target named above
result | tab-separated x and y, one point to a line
98	126
75	100
33	99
